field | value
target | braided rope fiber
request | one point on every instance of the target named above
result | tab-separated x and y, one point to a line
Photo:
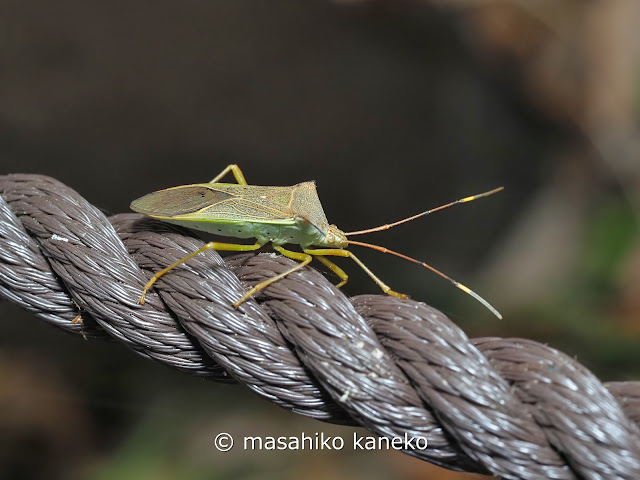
512	408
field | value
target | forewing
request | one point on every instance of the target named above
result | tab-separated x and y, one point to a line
178	200
211	202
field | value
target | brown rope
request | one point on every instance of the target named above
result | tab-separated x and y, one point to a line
509	407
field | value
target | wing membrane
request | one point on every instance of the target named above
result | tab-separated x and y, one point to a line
217	201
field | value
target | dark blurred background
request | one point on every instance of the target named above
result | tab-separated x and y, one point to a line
393	108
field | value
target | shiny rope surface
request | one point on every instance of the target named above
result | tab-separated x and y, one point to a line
511	407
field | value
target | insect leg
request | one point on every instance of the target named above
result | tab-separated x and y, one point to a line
237	173
235	247
304	260
341	252
335	269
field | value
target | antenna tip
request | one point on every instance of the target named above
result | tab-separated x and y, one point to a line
480	195
478	298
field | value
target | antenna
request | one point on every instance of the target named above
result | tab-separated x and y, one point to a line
423	214
434	270
426	265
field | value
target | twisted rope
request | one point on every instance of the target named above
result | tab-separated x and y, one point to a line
509	407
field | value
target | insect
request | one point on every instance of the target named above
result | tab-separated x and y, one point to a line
280	215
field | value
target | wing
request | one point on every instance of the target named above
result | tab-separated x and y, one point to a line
222	202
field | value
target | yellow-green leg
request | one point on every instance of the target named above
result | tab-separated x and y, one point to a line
302	257
237	173
234	247
341	252
335	269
